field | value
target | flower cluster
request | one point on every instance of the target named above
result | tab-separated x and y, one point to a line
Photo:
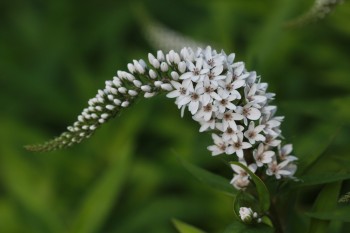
219	93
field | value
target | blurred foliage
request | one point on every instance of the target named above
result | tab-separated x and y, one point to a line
54	55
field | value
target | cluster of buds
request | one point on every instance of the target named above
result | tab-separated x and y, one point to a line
219	93
248	216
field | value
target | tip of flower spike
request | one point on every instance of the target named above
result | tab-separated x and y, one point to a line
54	144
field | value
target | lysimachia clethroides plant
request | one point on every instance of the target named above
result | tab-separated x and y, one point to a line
220	94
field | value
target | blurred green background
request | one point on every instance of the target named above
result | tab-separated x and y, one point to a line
54	55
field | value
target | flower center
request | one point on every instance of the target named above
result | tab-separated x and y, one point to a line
227	116
223	102
230	130
237	145
194	96
208	108
196	71
209	90
182	91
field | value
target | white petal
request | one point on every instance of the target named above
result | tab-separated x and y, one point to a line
173	94
217	70
193	107
287	149
186	75
246	145
239	153
254	114
260	138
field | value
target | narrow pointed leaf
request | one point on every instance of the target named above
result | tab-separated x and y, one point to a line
323	178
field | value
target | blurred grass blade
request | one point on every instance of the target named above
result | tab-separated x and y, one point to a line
339	214
25	183
239	227
263	192
326	201
216	182
322	178
100	199
185	228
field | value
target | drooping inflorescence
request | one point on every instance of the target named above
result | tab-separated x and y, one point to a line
219	93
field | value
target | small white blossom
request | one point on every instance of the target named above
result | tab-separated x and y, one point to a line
219	147
238	146
279	169
206	112
195	71
252	134
284	153
261	156
248	112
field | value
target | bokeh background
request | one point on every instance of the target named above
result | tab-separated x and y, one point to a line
54	55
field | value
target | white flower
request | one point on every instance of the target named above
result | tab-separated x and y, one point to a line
284	153
212	59
230	134
229	118
250	94
192	99
252	134
181	90
207	124
272	141
195	71
279	170
225	102
219	147
238	146
206	112
214	75
248	112
207	91
230	86
261	156
272	125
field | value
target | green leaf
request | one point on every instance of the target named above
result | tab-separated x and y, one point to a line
239	227
217	182
310	147
339	214
326	201
323	178
263	192
185	228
